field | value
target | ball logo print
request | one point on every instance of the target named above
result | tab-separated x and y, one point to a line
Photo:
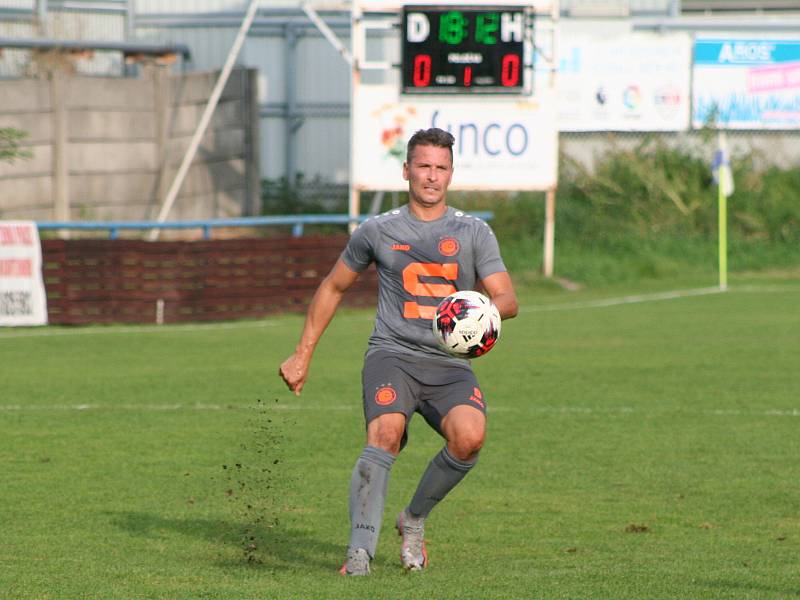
385	396
466	324
449	247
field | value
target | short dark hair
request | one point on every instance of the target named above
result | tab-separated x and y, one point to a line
430	137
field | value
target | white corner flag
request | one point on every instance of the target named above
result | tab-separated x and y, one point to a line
723	177
721	169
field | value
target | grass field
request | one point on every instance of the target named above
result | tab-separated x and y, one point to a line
642	448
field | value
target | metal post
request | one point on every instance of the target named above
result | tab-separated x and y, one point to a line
357	49
252	202
291	105
130	19
41	16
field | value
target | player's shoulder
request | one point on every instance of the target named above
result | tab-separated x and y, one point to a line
375	222
468	220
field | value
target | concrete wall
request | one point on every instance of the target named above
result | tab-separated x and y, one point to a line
109	148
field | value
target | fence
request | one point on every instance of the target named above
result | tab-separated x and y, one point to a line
130	281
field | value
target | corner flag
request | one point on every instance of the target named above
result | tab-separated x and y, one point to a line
723	177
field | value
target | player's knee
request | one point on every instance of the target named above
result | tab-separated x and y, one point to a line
466	445
386	434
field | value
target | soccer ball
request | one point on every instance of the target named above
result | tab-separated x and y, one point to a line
466	324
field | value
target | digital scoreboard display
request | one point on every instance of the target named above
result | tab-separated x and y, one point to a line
463	50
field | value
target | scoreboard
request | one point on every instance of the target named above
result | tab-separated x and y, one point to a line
451	49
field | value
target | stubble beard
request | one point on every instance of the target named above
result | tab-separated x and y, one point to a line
425	203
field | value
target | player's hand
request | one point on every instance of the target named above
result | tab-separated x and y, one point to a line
294	371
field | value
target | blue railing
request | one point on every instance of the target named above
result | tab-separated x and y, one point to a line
298	222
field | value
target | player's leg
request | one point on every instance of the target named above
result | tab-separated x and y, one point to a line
368	486
464	428
388	404
458	413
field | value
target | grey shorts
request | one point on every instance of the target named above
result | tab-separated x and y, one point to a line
396	383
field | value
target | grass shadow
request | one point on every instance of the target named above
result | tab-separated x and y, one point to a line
261	546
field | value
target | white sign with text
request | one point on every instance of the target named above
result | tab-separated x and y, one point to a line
501	143
22	294
636	82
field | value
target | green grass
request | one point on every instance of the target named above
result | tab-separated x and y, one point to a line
642	450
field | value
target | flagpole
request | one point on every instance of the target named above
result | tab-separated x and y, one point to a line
724	178
723	239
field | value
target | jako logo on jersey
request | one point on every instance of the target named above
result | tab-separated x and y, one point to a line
449	247
385	396
401	247
477	397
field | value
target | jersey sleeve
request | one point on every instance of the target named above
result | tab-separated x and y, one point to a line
487	251
359	252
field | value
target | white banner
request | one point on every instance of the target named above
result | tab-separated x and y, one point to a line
501	143
396	5
747	83
22	295
634	82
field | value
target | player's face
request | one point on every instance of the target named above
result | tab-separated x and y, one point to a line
428	174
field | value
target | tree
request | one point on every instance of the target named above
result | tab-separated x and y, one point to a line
9	145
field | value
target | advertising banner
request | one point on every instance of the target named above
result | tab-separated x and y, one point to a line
22	294
747	83
395	5
501	143
634	82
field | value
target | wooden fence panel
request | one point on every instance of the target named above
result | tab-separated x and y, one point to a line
121	281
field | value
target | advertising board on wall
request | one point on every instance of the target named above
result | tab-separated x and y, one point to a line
22	294
744	83
501	143
635	82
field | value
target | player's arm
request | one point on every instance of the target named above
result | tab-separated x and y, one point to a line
501	291
294	369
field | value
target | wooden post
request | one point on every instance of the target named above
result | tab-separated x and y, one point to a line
549	232
354	207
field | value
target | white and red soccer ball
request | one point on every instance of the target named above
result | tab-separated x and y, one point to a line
466	324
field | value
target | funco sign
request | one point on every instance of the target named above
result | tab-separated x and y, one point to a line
502	143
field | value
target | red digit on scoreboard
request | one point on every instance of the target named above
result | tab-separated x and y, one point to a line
509	72
467	76
422	70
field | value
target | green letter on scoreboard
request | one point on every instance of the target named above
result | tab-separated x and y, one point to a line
485	28
452	27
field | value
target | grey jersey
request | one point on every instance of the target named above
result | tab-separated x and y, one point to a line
418	264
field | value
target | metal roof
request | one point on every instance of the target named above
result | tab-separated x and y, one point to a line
127	48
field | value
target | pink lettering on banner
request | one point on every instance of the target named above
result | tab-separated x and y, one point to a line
16	267
15	235
770	79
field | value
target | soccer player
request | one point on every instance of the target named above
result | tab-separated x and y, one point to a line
423	251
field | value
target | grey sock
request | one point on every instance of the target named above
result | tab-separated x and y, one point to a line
368	486
442	475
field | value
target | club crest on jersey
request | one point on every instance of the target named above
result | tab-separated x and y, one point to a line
449	247
385	396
